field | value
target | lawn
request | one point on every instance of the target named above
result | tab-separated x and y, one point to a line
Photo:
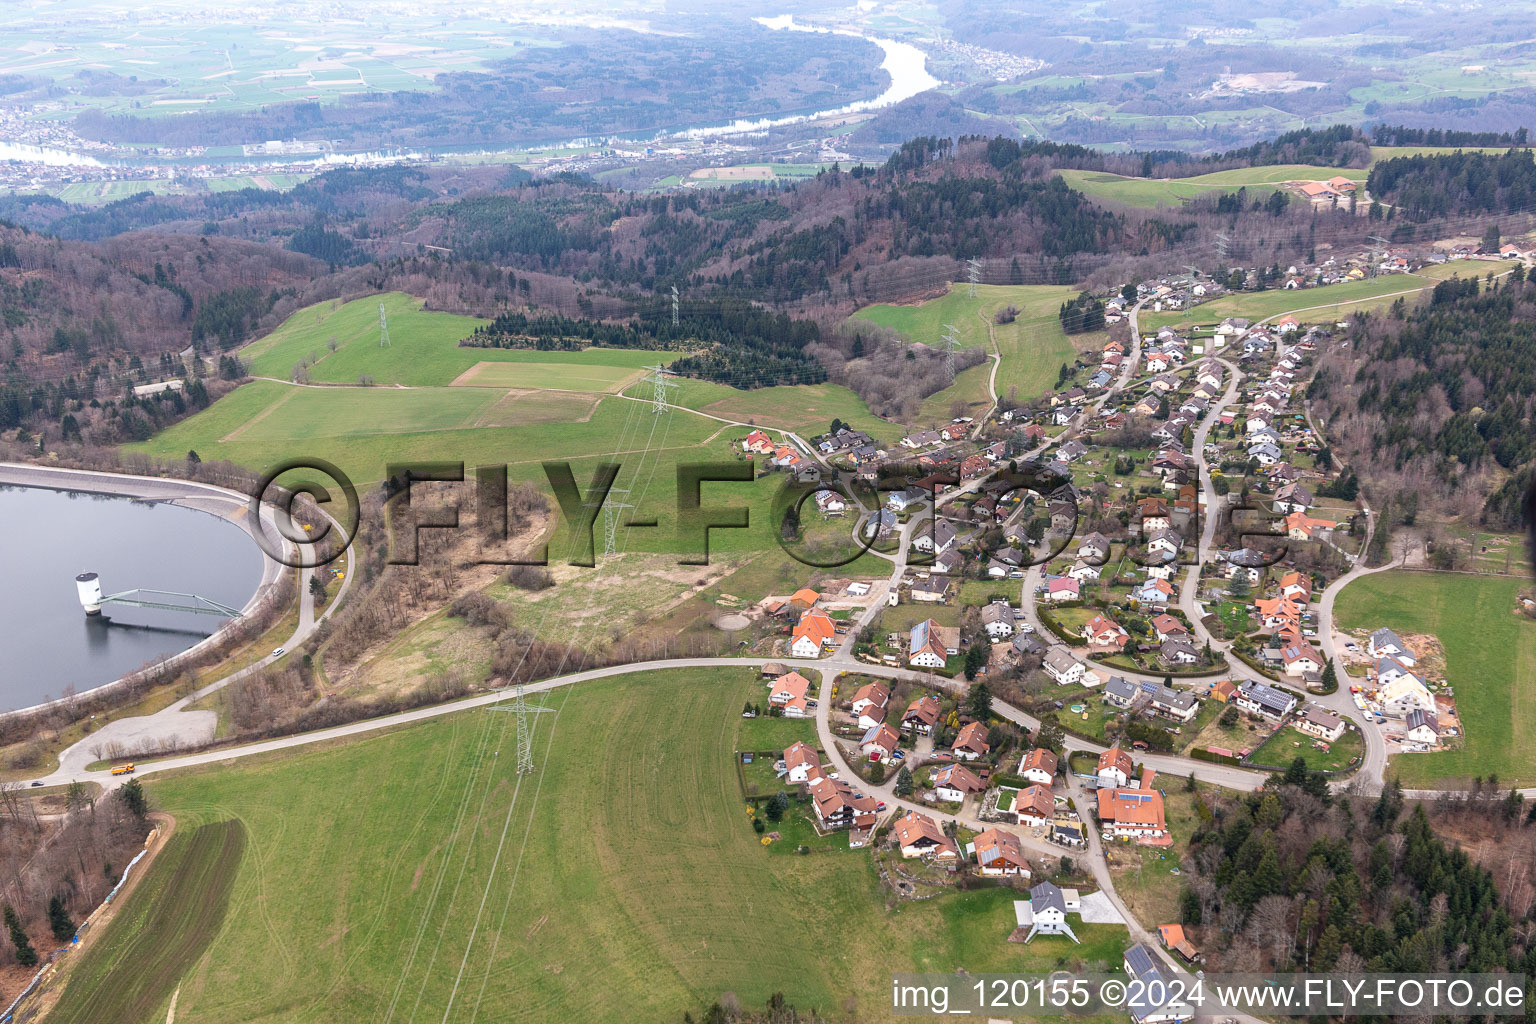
424	351
620	882
1290	743
1490	656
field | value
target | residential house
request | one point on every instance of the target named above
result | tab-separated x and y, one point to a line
1121	694
829	503
1264	699
1034	806
1133	813
801	763
997	619
838	805
1062	588
930	591
1154	592
1148	1001
1164	545
1167	627
925	648
1224	691
1179	705
1319	722
1422	727
1178	652
1266	454
1071	451
1296	586
1300	658
1094	548
1102	631
758	443
971	742
1039	766
1386	644
922	715
1000	854
869	704
937	538
881	523
1115	768
910	497
790	692
953	783
1028	643
1300	526
814	630
1061	666
879	743
918	835
947	562
1048	912
1084	571
1063	516
1402	696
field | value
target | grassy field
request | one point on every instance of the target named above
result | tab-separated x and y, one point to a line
1490	662
1153	192
1032	348
129	971
628	886
806	409
1329	302
1289	743
363	431
424	351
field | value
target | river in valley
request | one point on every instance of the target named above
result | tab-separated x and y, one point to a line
47	642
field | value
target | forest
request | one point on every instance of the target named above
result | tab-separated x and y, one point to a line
1436	398
1292	878
728	341
1425	187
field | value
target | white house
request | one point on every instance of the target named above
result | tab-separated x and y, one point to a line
1061	666
1048	912
1115	768
1386	644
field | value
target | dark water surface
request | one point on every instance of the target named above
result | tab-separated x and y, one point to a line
48	537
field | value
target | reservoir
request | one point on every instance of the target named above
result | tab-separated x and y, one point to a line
47	643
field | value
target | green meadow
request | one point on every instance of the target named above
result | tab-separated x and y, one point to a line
1490	654
393	875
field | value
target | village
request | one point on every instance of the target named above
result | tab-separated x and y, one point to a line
1121	578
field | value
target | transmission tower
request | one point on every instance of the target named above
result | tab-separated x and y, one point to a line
951	342
1222	241
662	382
521	708
611	510
1379	248
383	327
676	301
973	274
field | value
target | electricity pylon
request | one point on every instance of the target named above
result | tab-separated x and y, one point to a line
383	327
951	342
973	274
658	377
522	709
